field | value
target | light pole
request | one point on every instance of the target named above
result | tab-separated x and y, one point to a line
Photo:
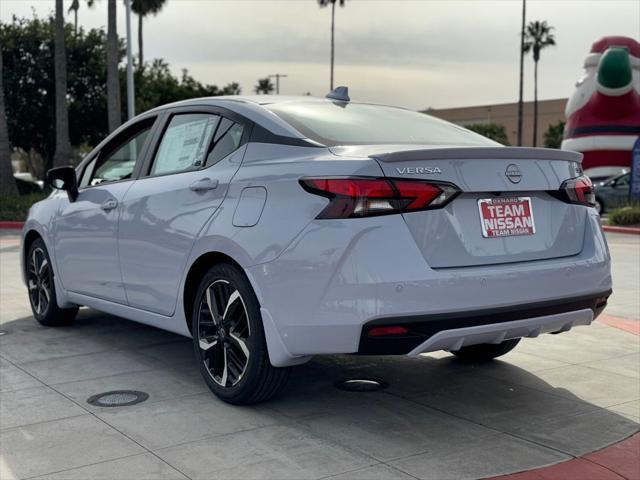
524	11
278	76
130	90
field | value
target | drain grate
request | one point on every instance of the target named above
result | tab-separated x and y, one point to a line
362	385
117	398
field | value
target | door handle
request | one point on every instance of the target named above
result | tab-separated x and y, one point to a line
204	184
109	205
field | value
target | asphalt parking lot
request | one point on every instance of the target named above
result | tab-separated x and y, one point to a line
552	399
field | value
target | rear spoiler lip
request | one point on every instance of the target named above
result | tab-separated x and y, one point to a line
473	153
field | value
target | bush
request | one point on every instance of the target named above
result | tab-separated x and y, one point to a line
625	216
16	208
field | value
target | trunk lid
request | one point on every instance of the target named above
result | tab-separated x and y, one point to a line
453	236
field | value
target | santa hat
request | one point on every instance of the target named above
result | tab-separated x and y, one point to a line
615	59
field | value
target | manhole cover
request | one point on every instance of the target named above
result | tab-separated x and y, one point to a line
362	385
117	398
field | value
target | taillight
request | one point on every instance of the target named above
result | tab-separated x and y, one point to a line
578	190
365	197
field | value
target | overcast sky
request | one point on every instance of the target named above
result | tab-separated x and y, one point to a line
414	53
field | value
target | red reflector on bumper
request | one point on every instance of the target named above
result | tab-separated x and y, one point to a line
384	331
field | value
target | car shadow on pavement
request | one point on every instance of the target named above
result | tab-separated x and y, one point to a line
438	414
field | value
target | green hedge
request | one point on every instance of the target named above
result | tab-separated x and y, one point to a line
625	216
17	207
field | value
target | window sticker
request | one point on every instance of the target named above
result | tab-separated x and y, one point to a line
184	145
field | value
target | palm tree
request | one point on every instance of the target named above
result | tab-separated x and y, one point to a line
63	146
264	85
7	183
74	7
113	82
537	37
143	8
324	3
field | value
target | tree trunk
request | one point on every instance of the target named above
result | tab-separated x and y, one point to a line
113	82
7	183
333	25
140	46
63	148
524	11
535	103
75	22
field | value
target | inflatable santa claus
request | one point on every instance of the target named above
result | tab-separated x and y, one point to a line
603	114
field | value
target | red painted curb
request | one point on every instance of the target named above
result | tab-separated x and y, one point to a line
11	225
617	462
631	326
612	229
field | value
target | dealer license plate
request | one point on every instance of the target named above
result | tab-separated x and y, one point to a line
506	216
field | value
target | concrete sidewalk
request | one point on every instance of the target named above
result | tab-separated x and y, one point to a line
553	398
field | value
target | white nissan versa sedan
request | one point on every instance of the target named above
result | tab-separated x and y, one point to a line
271	229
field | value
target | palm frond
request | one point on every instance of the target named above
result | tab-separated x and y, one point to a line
538	35
324	3
75	5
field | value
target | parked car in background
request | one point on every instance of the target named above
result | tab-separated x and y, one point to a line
613	192
600	174
271	229
26	184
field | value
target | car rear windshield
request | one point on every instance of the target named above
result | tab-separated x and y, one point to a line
340	123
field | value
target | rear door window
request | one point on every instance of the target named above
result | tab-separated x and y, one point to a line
227	139
185	143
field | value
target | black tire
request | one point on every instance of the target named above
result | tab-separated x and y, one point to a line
485	351
599	206
247	380
42	289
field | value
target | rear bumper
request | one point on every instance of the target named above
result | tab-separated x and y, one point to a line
338	276
452	331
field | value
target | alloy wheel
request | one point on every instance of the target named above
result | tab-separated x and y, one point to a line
39	281
223	333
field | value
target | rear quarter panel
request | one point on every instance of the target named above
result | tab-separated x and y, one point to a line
288	208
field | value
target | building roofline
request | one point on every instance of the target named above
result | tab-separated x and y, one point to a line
429	109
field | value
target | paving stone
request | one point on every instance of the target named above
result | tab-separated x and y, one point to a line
627	365
502	405
12	378
586	384
477	459
393	428
82	367
630	410
582	433
276	452
4	362
60	445
161	384
48	343
170	422
582	344
139	467
376	472
33	405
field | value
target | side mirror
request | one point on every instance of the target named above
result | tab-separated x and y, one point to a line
64	178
